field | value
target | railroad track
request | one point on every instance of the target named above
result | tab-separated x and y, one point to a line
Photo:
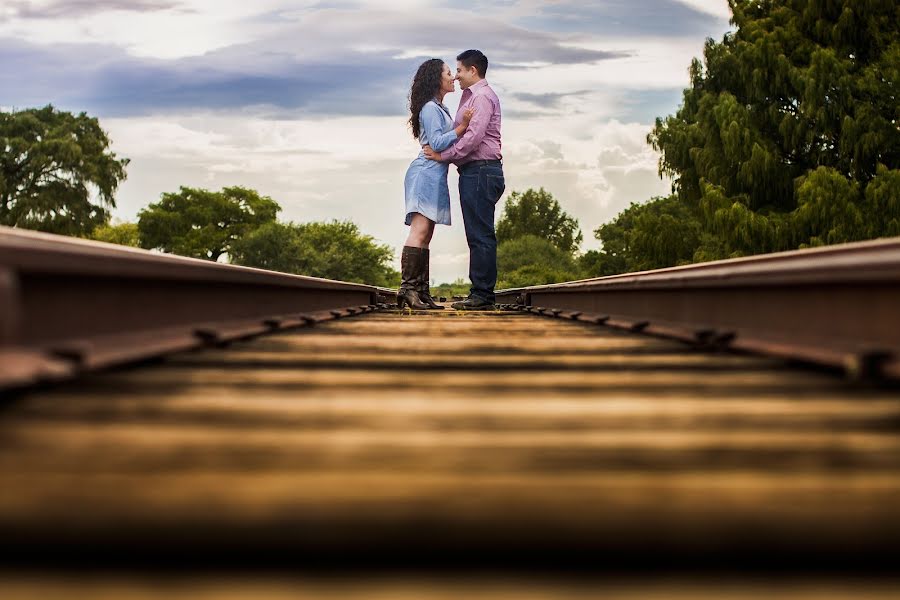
149	422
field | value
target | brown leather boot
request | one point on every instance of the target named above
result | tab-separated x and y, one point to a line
424	288
410	272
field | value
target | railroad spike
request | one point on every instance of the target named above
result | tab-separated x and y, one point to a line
704	336
867	365
724	339
75	353
207	336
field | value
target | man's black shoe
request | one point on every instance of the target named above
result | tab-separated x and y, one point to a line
474	304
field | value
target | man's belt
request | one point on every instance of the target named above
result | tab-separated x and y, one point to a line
480	163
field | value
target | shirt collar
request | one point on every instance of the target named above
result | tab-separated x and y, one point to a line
441	105
478	84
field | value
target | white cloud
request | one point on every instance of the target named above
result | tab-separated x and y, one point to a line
717	8
174	29
652	63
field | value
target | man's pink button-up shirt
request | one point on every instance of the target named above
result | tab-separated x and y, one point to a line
481	141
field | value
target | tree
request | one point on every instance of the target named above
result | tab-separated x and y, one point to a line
659	233
786	138
788	135
124	234
57	173
459	287
532	260
537	213
204	224
335	250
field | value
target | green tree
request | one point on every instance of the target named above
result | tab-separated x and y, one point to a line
659	233
57	173
204	224
788	123
460	287
532	260
124	234
334	250
883	198
538	213
786	138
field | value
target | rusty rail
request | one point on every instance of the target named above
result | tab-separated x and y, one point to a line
70	305
837	306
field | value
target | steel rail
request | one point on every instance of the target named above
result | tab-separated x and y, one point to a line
837	306
69	305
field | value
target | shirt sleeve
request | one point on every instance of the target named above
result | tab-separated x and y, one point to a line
474	134
432	123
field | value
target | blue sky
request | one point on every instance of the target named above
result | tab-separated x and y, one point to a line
306	101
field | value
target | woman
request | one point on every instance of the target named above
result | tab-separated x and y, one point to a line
427	194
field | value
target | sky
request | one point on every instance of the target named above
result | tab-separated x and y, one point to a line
306	102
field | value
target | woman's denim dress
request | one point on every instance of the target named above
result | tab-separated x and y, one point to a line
426	180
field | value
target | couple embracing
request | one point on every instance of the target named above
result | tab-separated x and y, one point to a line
471	141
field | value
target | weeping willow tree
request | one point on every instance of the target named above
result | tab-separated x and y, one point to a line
787	137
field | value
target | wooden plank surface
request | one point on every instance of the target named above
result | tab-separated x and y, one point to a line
498	433
17	586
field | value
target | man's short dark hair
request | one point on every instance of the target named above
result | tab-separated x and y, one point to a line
474	58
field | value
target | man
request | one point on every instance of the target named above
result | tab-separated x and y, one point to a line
477	158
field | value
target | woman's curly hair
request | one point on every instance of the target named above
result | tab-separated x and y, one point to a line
425	86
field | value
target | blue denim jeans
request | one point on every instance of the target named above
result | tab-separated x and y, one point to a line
480	187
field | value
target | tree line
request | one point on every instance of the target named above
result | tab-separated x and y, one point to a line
788	137
58	174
